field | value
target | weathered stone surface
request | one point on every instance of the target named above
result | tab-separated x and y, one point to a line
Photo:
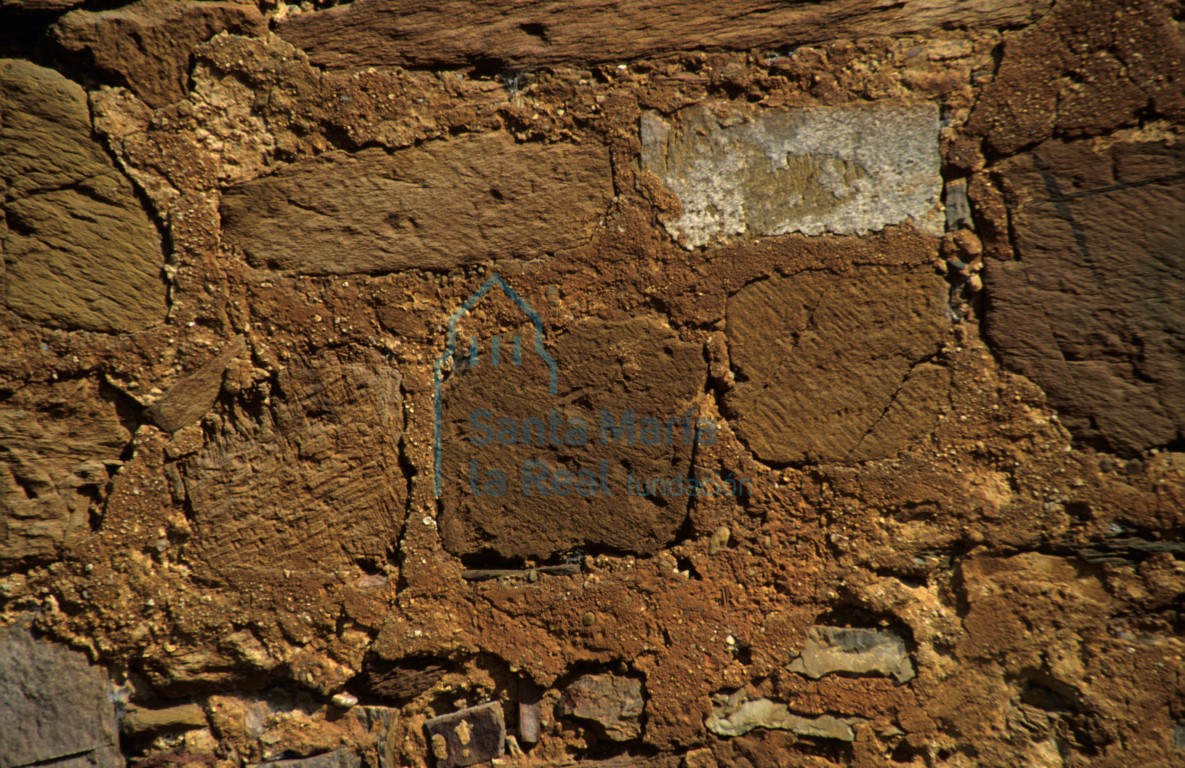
854	650
309	479
59	445
522	33
403	680
834	367
467	737
436	206
338	758
148	44
846	170
737	715
1091	309
1087	68
615	703
637	371
55	708
191	398
79	250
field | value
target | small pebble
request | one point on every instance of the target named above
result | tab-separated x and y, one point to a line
588	619
345	700
719	539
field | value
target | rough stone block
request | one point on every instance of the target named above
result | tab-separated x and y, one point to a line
437	206
310	481
1091	310
613	702
1118	55
467	737
148	44
503	476
79	250
58	447
835	368
845	170
55	708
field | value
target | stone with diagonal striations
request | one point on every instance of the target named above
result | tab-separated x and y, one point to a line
79	250
1091	310
835	367
437	206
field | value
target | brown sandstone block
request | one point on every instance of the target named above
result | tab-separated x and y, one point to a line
437	206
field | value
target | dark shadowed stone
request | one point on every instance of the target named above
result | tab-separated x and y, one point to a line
403	680
467	737
55	708
1091	310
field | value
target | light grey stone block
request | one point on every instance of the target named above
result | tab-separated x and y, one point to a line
843	170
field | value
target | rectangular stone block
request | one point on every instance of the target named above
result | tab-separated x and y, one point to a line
846	170
437	206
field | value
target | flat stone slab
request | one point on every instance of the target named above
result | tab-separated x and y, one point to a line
436	206
530	35
857	651
338	758
844	170
55	708
737	716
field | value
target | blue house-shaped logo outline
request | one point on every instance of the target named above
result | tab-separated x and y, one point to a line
450	353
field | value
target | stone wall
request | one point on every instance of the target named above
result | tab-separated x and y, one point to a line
402	383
